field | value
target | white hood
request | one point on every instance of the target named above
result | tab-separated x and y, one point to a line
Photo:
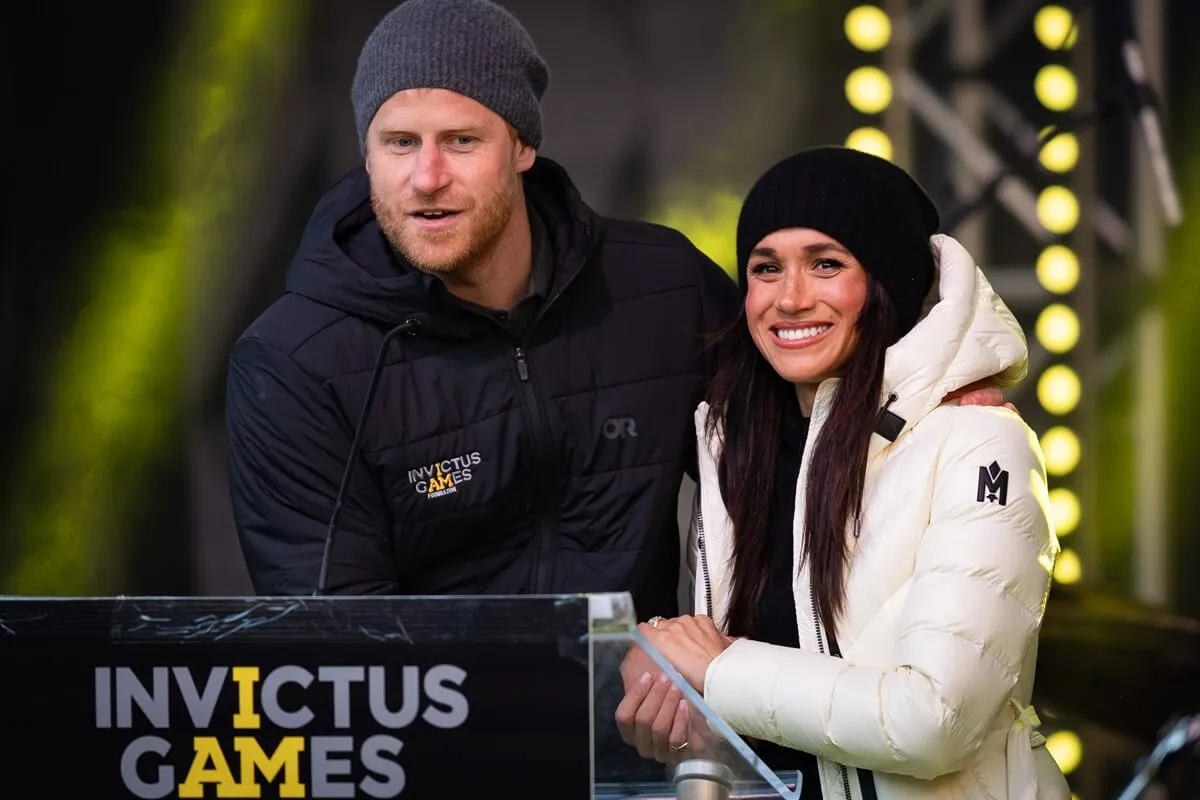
968	335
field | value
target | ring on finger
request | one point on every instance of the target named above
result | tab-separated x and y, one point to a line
679	748
654	621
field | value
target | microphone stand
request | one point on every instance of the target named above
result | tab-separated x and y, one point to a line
1177	737
408	327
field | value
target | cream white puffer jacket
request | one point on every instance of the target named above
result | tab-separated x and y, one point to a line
946	585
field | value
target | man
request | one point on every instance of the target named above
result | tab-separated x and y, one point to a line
532	435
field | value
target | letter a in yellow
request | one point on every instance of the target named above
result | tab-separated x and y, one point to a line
208	750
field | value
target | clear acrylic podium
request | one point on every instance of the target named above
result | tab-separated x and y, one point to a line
716	764
368	697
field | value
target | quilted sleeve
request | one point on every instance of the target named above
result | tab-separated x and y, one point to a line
974	608
287	452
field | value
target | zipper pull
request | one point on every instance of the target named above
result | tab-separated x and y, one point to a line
889	424
522	367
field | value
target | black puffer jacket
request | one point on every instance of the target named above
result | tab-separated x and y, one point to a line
546	464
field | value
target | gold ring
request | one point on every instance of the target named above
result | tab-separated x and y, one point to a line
680	748
653	621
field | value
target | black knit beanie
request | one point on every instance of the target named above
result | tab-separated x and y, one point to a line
869	205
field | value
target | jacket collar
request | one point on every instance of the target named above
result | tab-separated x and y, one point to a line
344	260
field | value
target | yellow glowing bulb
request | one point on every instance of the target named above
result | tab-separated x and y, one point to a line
1065	746
1057	328
870	140
1052	25
1058	209
1058	389
869	89
1060	153
1067	569
1064	508
1062	450
1058	269
868	28
1056	87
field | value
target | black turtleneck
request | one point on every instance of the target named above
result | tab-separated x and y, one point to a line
776	619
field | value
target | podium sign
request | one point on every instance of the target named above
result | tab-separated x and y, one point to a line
365	697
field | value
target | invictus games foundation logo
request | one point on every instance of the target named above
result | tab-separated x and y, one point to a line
174	748
443	477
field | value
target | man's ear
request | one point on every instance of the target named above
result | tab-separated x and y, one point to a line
526	155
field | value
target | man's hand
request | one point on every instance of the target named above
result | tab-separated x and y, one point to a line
980	393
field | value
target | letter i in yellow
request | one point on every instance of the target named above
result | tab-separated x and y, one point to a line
245	678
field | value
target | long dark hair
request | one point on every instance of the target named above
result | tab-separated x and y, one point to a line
747	398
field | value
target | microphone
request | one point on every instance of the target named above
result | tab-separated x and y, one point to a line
1145	107
409	327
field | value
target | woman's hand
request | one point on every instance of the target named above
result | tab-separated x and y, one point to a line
653	716
689	643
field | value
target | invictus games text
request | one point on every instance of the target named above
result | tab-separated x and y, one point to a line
238	763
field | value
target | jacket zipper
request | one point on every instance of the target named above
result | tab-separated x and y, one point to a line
543	532
866	786
708	605
812	595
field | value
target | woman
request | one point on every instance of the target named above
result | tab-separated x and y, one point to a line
872	563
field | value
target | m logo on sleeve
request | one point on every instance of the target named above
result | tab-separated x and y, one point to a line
993	484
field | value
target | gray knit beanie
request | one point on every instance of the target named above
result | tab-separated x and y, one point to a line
472	47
